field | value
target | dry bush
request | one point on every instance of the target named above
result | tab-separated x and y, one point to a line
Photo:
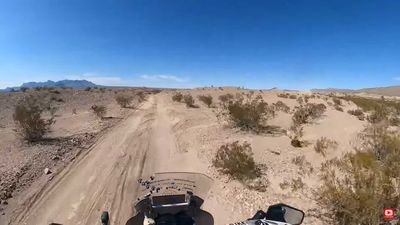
249	114
283	95
337	101
358	113
281	106
124	101
236	160
29	116
323	143
99	110
177	97
226	98
24	89
300	100
293	96
338	108
297	184
367	182
206	99
88	89
189	100
307	113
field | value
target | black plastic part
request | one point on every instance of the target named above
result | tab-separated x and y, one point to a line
105	218
259	215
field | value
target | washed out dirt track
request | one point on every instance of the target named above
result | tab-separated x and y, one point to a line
105	178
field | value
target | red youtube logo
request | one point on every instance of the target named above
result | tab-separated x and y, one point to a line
388	213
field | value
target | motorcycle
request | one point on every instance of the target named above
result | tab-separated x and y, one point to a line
176	198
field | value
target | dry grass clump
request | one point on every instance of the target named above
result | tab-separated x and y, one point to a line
293	96
99	110
281	106
124	101
297	184
249	114
33	117
236	160
305	167
189	100
358	113
300	100
323	143
177	97
206	99
359	185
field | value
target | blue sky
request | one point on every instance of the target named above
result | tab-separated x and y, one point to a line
185	43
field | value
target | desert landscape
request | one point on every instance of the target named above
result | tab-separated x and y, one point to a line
261	147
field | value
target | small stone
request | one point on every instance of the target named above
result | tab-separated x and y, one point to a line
56	157
4	202
47	171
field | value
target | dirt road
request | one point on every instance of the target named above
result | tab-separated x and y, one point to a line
105	178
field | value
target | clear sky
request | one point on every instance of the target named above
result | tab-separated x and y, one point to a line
295	44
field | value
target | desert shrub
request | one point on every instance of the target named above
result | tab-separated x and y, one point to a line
300	100
206	99
88	89
297	184
337	101
338	108
293	96
281	106
358	113
283	95
372	104
236	160
305	167
123	101
57	92
188	100
226	98
29	116
307	113
249	114
368	181
322	144
177	97
99	110
142	96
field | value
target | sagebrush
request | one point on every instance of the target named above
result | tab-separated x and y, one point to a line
34	117
236	160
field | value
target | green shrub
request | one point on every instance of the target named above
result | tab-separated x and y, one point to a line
250	114
99	110
177	97
123	101
236	160
368	181
29	117
206	99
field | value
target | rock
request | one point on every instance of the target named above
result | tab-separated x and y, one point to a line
55	158
4	202
47	171
5	195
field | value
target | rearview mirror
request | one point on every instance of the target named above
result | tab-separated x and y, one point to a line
285	213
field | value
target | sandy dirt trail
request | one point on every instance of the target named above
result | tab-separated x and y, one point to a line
105	178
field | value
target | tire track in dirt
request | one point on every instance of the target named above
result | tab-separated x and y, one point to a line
106	177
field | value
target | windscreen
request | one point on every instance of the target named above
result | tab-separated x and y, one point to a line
175	183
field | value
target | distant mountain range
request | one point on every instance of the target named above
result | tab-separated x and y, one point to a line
387	91
49	83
